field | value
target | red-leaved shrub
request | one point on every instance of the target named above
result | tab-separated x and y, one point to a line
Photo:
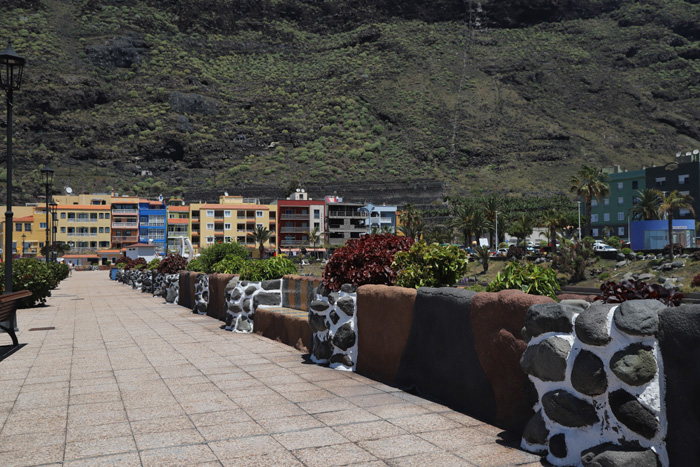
612	292
365	261
172	264
135	262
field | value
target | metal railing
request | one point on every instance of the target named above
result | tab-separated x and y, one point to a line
125	211
295	229
291	217
121	225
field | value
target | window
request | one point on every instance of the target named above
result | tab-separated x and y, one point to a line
683	212
106	215
620	200
259	213
227	226
606	201
620	216
686	193
635	200
594	202
93	215
102	230
594	217
18	227
27	227
93	244
227	239
317	214
606	217
683	179
595	232
227	213
240	239
621	231
620	185
288	211
63	215
240	227
210	226
63	230
210	239
317	226
106	229
660	181
102	215
260	225
635	184
210	213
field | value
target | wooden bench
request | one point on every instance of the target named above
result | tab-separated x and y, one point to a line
8	311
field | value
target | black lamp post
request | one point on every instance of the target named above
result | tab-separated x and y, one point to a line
54	221
23	245
11	69
47	177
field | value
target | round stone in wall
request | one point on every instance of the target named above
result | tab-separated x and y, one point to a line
342	359
333	297
348	288
588	374
244	324
635	365
536	431
612	455
347	305
564	408
557	446
592	325
323	349
546	360
344	337
317	322
549	317
319	306
638	317
334	317
250	290
631	413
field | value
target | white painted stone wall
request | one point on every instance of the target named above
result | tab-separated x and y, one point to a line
333	320
245	297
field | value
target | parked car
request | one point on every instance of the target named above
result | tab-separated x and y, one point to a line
603	248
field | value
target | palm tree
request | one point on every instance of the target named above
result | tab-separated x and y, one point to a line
411	222
260	236
552	220
647	205
521	227
589	183
314	236
668	204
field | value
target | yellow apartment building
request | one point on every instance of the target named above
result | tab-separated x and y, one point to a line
29	221
85	228
231	220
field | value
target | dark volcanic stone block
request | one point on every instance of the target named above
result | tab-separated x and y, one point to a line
536	431
588	374
549	317
632	414
592	324
635	365
557	446
344	337
638	317
547	360
564	408
347	305
679	338
440	358
612	455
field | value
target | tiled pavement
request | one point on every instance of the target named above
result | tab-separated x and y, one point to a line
125	379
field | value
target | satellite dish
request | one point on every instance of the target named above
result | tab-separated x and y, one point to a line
697	151
160	198
688	153
225	193
69	190
678	154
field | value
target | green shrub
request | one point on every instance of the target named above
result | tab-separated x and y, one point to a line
212	254
626	251
266	269
153	264
528	277
36	276
195	265
120	265
430	265
477	288
604	276
232	264
614	242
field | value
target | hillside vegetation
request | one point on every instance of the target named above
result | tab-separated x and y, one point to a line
173	97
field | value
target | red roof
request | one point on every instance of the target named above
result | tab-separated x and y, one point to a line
23	219
139	244
300	202
80	256
179	208
107	252
83	207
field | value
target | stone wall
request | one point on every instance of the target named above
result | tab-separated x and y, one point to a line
172	288
245	297
201	294
333	321
217	295
299	291
597	371
187	281
158	284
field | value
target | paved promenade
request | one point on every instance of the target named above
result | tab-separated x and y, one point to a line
125	379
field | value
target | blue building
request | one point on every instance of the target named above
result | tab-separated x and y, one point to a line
152	216
653	235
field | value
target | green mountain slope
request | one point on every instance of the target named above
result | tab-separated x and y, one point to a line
203	96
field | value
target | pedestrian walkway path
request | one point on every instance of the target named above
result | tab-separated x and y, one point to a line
125	379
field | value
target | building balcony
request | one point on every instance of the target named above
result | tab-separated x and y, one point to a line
291	217
125	238
124	225
293	243
294	229
125	211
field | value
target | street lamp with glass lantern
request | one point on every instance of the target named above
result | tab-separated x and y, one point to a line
11	71
47	177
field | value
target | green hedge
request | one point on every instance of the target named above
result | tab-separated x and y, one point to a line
36	276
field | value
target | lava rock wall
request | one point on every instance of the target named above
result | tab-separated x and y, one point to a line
598	373
201	294
217	295
245	297
333	321
172	288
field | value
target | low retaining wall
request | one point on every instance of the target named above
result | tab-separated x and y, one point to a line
187	282
217	295
299	291
598	374
200	298
245	298
384	316
291	330
333	321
